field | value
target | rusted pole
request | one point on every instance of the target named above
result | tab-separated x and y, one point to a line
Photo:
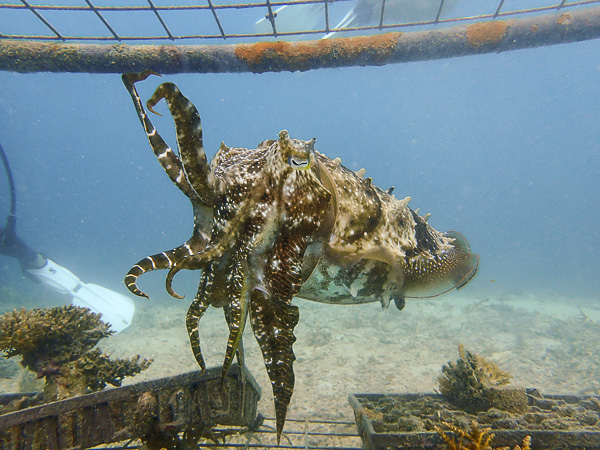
478	38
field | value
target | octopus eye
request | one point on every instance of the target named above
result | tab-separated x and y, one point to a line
299	163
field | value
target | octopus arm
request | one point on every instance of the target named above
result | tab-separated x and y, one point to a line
240	345
236	309
195	312
273	321
273	318
188	127
166	156
165	260
213	252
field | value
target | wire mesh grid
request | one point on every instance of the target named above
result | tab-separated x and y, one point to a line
298	435
170	20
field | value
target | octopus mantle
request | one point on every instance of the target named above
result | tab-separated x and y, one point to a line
283	221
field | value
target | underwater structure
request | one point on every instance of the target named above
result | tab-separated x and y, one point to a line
228	281
492	33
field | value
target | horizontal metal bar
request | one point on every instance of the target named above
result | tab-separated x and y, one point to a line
172	7
326	30
245	5
477	38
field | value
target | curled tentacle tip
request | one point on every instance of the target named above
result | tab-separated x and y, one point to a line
146	73
172	293
149	106
135	291
133	77
141	294
169	283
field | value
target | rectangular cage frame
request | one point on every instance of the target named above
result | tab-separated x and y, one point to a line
504	29
497	10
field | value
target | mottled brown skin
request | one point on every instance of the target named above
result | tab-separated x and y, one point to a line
281	221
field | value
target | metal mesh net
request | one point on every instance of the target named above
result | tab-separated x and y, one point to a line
218	20
110	36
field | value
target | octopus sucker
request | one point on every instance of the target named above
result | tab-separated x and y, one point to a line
282	221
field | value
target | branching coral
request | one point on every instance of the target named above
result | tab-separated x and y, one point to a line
50	331
57	343
99	369
475	439
469	383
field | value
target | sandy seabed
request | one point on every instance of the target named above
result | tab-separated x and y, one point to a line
548	343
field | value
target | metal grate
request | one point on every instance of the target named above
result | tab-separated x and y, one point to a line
220	20
48	38
298	435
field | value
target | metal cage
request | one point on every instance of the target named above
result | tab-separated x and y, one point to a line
39	37
50	22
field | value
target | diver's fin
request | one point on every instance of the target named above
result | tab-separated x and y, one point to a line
56	277
290	18
116	309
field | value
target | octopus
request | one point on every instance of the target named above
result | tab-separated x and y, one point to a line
282	221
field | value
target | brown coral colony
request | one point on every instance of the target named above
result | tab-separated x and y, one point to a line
58	344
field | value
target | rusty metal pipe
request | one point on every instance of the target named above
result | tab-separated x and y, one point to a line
482	37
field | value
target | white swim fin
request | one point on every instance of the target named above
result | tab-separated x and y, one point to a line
116	309
291	18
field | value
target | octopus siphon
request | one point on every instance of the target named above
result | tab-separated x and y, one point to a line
283	221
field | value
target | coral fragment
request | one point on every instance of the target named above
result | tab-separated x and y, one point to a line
58	344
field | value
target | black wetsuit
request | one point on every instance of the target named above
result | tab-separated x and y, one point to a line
13	246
